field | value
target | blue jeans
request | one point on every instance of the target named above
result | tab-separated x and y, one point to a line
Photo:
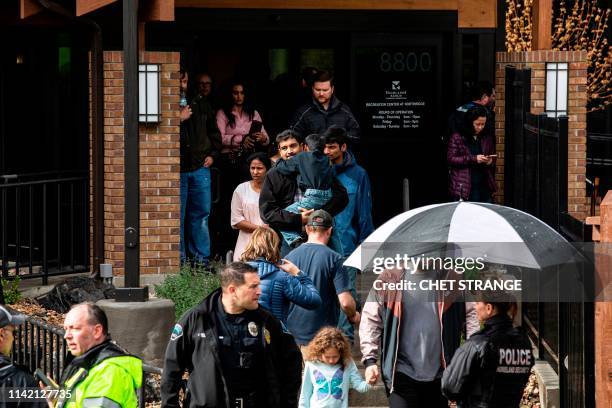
313	199
343	324
195	209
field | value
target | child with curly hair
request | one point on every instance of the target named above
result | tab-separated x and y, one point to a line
330	371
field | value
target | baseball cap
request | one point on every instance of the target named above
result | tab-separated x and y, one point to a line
10	317
320	218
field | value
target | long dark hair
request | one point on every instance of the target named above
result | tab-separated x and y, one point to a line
467	129
229	103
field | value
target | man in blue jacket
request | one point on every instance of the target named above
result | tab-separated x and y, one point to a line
354	223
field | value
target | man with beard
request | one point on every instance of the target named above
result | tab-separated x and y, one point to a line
279	191
325	110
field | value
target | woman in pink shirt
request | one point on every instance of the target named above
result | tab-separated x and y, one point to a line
242	134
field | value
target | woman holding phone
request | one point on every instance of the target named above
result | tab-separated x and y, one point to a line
471	158
242	133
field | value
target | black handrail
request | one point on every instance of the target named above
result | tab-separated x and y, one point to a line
44	227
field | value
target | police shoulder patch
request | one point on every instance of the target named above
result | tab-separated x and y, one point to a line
177	332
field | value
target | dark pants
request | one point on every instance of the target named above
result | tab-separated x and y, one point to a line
408	393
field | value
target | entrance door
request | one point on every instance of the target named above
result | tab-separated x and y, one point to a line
398	84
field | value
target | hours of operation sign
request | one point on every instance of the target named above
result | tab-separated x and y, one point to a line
395	90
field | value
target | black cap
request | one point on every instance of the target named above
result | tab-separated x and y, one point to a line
10	317
320	218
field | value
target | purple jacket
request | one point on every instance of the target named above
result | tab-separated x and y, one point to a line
461	162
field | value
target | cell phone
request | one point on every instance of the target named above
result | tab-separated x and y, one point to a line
255	127
42	377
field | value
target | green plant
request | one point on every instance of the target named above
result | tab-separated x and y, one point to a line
188	287
10	288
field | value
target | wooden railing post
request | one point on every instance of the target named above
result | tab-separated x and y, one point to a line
603	309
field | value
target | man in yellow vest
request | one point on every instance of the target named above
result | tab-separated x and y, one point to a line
99	373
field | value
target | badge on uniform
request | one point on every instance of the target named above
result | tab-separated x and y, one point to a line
267	335
177	332
253	329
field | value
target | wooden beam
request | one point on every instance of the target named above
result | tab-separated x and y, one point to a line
477	13
327	5
603	309
541	19
157	10
28	8
87	6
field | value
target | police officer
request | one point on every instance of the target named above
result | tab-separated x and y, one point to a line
12	377
235	352
492	367
99	373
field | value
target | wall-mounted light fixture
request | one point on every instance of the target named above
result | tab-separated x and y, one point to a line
148	93
19	59
556	89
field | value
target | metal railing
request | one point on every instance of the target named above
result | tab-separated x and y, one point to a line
599	159
44	222
40	345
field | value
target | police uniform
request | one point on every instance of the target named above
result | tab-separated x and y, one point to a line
241	344
243	361
490	369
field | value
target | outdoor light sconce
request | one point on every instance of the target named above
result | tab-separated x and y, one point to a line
556	89
148	93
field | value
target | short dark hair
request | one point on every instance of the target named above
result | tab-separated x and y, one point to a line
335	134
308	74
481	88
95	315
262	157
234	273
323	76
286	135
315	142
502	301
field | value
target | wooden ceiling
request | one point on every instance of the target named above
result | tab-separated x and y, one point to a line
471	13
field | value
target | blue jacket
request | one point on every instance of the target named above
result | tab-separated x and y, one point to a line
354	223
279	289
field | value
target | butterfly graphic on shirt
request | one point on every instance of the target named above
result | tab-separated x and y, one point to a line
326	388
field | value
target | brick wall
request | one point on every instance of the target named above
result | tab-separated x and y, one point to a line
159	169
536	60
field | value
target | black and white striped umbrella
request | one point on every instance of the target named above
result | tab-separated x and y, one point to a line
503	235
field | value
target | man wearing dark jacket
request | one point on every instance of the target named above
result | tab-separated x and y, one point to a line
491	368
325	110
481	94
12	376
279	191
235	352
200	145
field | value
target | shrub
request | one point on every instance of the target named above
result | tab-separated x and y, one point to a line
188	287
10	288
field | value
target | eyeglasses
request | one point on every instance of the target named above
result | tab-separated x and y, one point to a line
205	83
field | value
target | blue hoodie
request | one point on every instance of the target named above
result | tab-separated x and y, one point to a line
354	223
279	289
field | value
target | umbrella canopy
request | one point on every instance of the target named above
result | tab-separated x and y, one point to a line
500	234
